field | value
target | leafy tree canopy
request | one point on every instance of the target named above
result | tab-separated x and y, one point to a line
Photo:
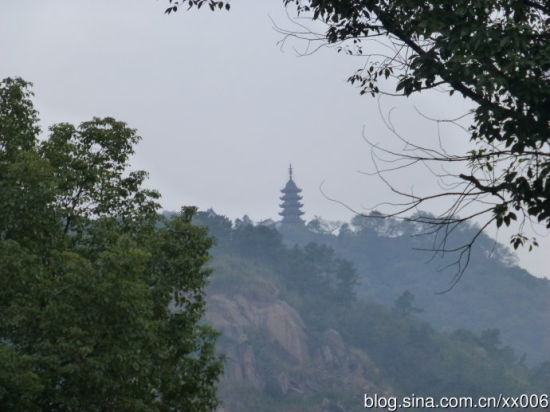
100	302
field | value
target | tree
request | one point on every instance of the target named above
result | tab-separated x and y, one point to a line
404	304
495	53
101	300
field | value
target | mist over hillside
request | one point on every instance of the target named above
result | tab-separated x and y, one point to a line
391	258
312	318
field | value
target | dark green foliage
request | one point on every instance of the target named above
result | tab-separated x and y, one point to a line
19	385
212	4
99	304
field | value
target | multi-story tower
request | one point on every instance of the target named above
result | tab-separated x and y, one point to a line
291	213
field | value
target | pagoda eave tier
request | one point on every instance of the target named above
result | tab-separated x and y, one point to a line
291	190
291	206
291	213
291	197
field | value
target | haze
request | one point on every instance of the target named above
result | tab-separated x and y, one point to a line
221	108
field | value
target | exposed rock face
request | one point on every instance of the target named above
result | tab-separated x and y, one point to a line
235	315
269	350
353	367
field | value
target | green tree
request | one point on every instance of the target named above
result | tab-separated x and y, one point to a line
495	53
101	300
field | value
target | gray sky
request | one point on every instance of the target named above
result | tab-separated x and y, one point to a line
221	108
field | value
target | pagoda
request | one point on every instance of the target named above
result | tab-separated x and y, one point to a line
291	205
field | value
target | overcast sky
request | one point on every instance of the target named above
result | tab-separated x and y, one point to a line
222	109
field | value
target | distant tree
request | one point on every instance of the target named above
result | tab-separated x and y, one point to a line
346	281
495	53
100	301
404	304
490	339
314	226
219	227
320	225
315	270
257	241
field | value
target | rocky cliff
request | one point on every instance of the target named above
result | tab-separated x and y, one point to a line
273	360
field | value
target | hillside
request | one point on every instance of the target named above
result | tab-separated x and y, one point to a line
274	362
492	293
299	334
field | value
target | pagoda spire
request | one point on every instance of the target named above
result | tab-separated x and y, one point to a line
291	206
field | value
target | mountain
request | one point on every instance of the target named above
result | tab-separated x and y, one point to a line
492	293
300	333
274	360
